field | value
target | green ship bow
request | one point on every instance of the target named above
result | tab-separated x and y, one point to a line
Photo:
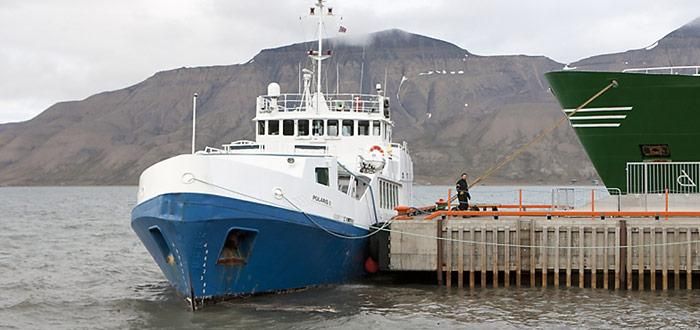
647	118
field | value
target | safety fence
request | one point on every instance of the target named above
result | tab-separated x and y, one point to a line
659	177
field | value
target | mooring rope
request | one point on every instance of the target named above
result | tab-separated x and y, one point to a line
449	239
540	136
386	224
385	227
191	178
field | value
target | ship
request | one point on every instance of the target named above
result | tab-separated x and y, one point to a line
291	209
637	126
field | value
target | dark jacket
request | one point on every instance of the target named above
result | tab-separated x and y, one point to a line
463	187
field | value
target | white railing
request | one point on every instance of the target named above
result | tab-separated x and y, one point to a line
335	102
569	198
354	102
682	70
242	145
657	177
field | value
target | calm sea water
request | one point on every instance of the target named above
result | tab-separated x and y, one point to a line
68	259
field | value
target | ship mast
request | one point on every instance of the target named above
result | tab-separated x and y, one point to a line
319	58
318	55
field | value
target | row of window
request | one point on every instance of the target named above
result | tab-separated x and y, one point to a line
321	127
388	195
388	191
345	181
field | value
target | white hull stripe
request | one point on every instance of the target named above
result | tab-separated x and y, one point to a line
594	125
599	109
598	117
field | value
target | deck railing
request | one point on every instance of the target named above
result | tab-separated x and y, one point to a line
657	177
682	70
335	102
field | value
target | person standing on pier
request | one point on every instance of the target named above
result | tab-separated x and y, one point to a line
463	193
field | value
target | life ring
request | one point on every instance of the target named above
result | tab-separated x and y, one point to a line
377	148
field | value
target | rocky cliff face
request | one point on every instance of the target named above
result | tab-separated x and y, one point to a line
458	112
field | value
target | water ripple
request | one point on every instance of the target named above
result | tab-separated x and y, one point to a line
68	259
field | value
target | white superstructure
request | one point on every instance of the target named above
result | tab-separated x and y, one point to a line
328	155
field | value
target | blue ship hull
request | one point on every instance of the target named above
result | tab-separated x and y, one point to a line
190	237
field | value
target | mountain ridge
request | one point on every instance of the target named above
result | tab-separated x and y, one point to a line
457	110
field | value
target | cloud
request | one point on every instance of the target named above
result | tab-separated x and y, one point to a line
70	49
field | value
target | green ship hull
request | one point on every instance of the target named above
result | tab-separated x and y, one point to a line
646	118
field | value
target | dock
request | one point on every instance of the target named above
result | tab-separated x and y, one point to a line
607	250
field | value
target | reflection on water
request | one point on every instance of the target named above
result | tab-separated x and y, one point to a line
68	259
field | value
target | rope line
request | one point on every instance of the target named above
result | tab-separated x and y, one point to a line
376	216
542	134
538	246
229	190
385	226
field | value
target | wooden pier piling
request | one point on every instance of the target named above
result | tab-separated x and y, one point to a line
586	250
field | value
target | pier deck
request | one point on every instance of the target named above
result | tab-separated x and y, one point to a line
612	253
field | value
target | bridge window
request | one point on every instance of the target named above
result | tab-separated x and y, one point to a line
274	127
376	128
332	128
322	175
389	195
348	127
363	127
303	128
317	128
288	127
261	127
344	182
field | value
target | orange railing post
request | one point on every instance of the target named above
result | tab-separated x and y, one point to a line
592	200
520	199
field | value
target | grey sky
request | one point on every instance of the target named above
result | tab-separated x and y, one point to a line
57	50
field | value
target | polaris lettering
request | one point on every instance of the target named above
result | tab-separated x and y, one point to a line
321	200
